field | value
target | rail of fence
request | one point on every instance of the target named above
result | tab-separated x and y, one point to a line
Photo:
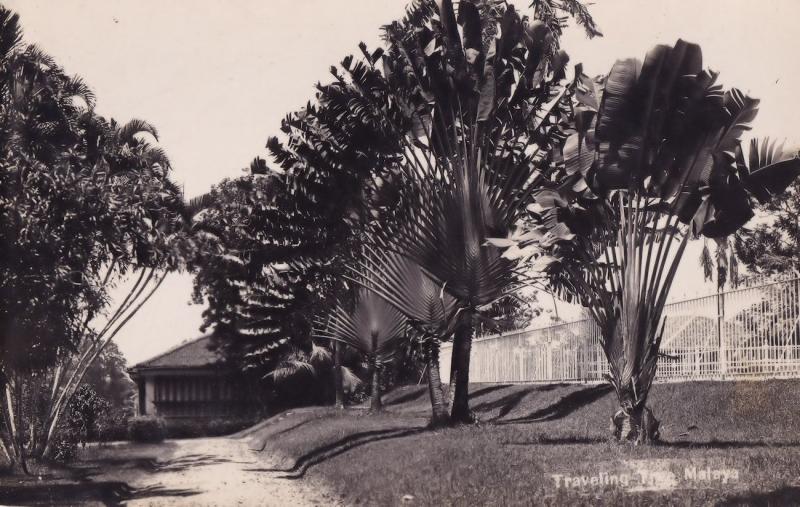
748	332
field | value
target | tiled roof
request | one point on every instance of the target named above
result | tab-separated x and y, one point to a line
192	354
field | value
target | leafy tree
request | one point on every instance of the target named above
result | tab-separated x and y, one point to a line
86	409
108	377
285	232
259	304
85	203
654	159
147	235
773	246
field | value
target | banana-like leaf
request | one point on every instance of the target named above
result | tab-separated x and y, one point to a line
658	163
771	170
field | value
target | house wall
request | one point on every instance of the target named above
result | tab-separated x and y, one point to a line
180	394
191	395
150	395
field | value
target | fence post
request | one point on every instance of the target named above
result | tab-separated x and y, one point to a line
723	356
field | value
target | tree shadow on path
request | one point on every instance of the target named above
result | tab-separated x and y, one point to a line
150	465
112	493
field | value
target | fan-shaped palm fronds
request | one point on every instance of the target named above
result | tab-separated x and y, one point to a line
374	328
429	308
475	115
10	33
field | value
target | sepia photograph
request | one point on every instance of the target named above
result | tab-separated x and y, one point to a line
399	253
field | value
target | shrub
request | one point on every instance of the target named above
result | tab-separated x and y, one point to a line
65	446
186	429
218	427
147	429
86	414
113	431
207	428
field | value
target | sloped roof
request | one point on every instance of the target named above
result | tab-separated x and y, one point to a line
192	354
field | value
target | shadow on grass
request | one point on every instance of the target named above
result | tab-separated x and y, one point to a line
326	452
487	390
559	441
291	428
265	440
726	444
109	493
510	401
563	407
409	396
787	495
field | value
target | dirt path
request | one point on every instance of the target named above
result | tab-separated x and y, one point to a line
200	472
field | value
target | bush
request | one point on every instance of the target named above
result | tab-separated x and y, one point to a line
113	432
207	428
64	446
147	429
186	429
219	427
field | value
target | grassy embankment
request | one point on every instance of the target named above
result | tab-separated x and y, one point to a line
530	434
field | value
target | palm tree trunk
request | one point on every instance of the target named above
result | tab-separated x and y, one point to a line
439	416
375	404
462	345
634	422
10	433
16	428
637	425
338	384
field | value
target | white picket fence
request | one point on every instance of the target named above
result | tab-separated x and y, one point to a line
749	332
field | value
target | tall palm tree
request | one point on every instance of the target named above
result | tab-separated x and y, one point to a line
374	328
655	158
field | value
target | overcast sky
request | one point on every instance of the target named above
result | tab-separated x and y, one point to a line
216	78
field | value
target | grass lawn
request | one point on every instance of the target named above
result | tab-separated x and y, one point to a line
724	443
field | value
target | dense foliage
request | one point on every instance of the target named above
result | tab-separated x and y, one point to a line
85	204
772	245
424	149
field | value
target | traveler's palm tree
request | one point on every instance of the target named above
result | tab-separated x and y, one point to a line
473	115
374	328
655	158
431	311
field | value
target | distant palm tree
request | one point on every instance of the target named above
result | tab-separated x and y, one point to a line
431	311
374	327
